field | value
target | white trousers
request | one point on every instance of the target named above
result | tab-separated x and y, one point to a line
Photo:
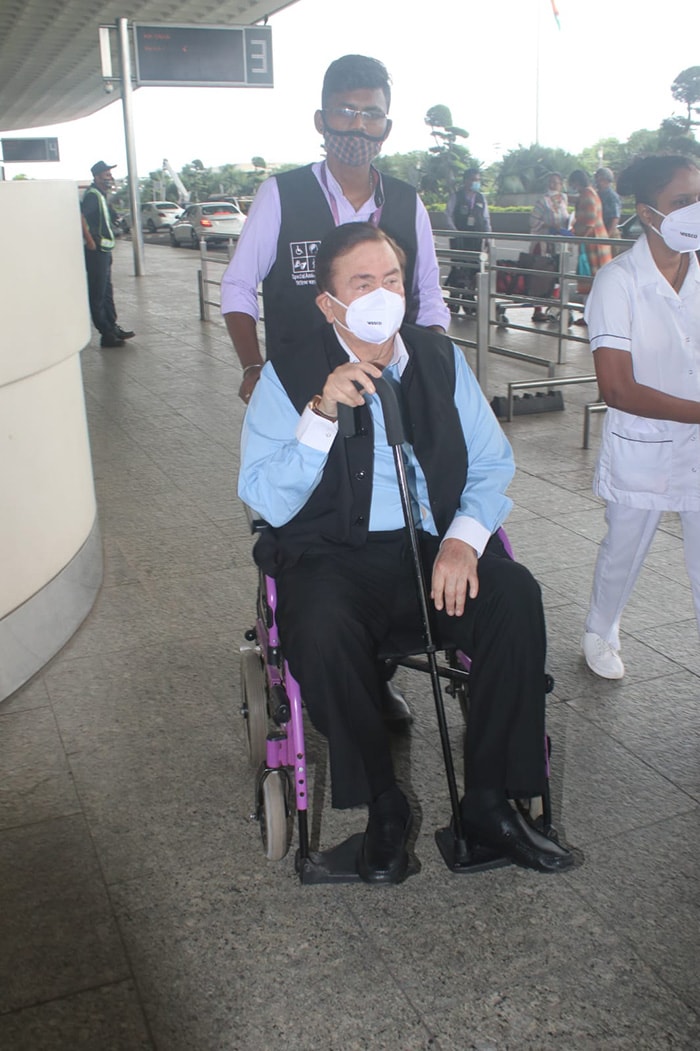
620	558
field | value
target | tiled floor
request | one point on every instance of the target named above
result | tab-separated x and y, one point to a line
136	908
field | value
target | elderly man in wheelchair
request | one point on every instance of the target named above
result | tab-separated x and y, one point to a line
337	548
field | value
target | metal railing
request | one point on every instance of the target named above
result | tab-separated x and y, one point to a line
204	278
489	306
560	307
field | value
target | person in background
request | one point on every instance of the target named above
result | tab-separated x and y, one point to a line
643	317
610	201
99	242
550	215
467	210
588	222
294	211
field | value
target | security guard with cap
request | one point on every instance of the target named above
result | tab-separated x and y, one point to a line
99	241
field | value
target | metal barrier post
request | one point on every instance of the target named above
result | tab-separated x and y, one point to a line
566	269
483	305
203	279
200	289
588	410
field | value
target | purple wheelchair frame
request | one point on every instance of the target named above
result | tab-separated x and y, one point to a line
286	747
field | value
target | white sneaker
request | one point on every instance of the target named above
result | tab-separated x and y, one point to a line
601	657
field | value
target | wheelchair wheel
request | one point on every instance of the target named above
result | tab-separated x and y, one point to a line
273	810
254	708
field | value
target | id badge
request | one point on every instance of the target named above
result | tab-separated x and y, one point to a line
471	221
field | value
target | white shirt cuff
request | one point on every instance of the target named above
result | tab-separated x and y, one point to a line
314	431
470	531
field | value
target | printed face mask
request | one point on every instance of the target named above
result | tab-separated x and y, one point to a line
353	147
373	318
680	229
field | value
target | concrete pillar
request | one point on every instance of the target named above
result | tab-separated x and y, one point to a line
50	552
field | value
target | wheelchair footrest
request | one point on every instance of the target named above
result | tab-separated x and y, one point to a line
337	865
472	859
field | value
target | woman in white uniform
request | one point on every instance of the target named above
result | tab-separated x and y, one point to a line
643	318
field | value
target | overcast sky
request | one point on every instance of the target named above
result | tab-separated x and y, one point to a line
606	72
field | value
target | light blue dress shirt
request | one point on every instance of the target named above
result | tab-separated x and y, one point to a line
283	456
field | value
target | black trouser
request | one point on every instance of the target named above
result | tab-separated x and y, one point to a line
336	609
99	278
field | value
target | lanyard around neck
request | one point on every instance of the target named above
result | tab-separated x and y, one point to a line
377	189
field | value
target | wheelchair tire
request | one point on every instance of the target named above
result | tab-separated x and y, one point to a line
254	707
275	823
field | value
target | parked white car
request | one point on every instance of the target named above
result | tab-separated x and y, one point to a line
155	215
210	221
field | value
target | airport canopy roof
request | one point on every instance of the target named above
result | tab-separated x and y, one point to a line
50	69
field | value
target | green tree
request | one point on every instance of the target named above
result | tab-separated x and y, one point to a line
447	159
676	133
642	141
676	137
686	89
608	152
406	166
523	170
198	180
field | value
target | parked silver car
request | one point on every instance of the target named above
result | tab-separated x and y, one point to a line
155	215
211	221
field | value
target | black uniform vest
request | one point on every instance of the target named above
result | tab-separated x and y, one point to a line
289	290
337	512
463	212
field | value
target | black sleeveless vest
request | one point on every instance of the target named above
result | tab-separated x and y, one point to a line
337	512
289	290
463	212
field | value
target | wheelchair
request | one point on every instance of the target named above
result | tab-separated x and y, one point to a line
272	709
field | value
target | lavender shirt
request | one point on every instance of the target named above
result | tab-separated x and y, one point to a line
256	251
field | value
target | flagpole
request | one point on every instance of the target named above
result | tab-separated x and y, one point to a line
537	77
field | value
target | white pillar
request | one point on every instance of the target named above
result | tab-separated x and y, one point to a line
50	555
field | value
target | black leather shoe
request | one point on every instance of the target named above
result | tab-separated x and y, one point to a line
383	857
111	340
395	711
120	333
504	829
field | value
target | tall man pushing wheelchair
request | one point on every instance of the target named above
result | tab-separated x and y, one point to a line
338	549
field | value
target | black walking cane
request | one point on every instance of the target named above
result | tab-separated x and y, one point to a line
450	840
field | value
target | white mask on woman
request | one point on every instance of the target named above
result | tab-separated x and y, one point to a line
680	229
375	317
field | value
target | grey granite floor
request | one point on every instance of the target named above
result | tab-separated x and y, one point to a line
137	910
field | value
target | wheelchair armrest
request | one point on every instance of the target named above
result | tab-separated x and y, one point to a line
255	522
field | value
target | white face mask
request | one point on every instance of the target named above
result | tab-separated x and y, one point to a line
373	318
680	229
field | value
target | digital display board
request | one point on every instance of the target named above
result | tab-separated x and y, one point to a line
24	151
203	56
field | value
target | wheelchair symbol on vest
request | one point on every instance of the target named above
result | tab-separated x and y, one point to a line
303	255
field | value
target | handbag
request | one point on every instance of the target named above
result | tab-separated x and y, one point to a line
538	284
583	267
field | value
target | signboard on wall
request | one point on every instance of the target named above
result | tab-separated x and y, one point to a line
26	151
203	56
